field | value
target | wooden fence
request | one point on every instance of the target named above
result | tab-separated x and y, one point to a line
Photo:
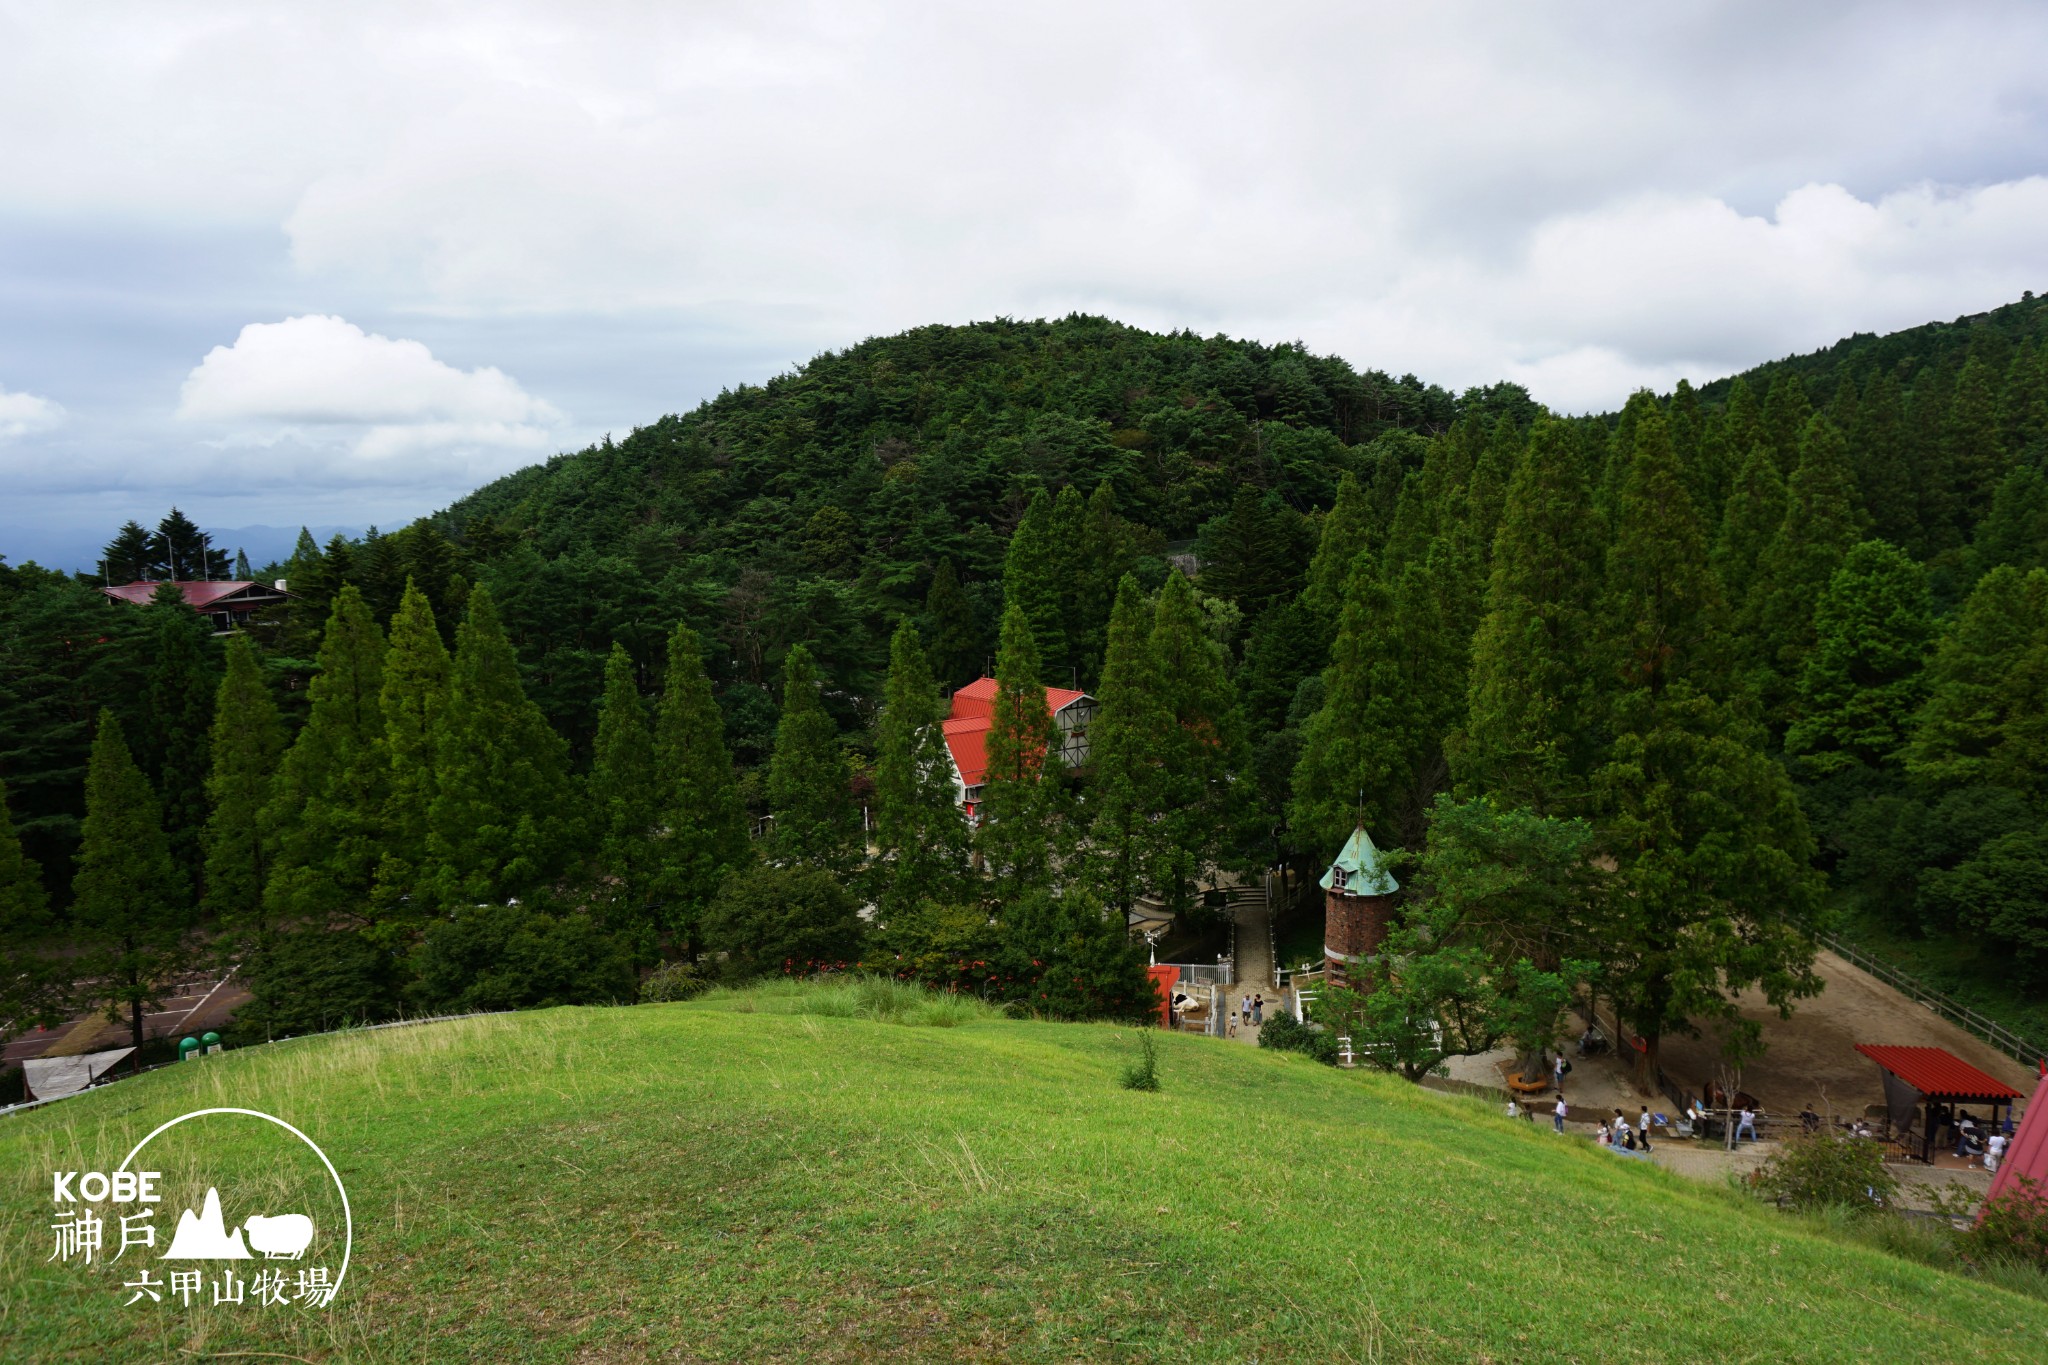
1990	1030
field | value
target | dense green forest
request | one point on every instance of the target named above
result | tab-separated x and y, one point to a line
1643	696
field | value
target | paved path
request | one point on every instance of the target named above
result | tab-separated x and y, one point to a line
1254	964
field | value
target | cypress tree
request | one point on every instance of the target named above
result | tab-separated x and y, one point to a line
1124	751
1032	580
174	737
949	616
2015	530
1346	530
1745	420
327	804
702	827
1019	808
1200	805
1251	555
1931	459
623	794
248	745
412	699
1069	529
501	821
1972	442
1863	683
1490	478
810	785
1822	521
1105	559
2023	406
1961	729
1884	472
126	905
1352	761
1710	847
920	834
1786	413
1749	523
1285	645
1688	444
1525	740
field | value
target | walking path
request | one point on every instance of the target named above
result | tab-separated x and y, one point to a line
1253	964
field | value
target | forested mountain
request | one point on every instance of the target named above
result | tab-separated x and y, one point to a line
1760	648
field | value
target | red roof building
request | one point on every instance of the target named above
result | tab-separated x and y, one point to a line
1938	1077
230	604
973	716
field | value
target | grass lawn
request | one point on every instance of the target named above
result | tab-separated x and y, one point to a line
735	1179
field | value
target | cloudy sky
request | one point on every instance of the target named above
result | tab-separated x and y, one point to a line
336	265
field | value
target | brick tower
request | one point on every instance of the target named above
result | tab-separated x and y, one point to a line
1358	904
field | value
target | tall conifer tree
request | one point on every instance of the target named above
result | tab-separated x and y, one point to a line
702	825
1124	751
949	615
623	795
810	785
1346	530
1973	442
126	904
182	680
1353	760
248	745
1749	523
920	834
1032	580
1961	733
1201	803
1823	520
327	804
1020	798
503	820
1884	474
1105	559
412	699
1787	410
1863	682
1526	742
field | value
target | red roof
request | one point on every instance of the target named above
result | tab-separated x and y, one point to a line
974	716
1937	1071
198	595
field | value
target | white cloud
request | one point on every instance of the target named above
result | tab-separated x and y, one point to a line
315	377
26	414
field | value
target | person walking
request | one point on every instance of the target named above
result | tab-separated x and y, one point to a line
1258	1009
1747	1125
1557	1067
1621	1133
1244	1005
1994	1151
1643	1127
1557	1115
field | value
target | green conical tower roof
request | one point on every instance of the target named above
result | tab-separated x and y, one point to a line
1364	869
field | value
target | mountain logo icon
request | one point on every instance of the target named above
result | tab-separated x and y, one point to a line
204	1237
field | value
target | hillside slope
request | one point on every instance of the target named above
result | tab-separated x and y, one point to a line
706	1182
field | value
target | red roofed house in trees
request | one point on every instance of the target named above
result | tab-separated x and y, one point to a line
229	604
973	714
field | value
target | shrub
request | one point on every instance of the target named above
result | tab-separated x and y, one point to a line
1284	1033
2014	1226
785	920
672	981
505	957
1143	1074
313	980
1823	1169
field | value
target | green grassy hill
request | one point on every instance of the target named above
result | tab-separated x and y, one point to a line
730	1179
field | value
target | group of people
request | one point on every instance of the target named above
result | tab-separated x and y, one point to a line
1620	1134
1745	1124
1973	1142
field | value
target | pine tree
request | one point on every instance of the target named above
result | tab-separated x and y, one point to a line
920	834
1200	802
810	785
126	906
1069	527
623	795
1253	555
172	745
248	745
412	700
1864	681
2023	406
1971	439
2015	530
1525	740
1124	752
501	822
1490	479
1745	421
1032	581
1962	728
1689	444
327	804
128	557
1930	458
949	616
1285	645
242	573
1749	523
1020	800
1822	522
702	828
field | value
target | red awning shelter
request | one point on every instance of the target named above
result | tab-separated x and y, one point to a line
1935	1076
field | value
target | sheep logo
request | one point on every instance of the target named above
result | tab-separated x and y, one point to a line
282	1238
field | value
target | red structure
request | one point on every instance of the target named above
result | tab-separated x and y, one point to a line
973	716
230	604
1932	1076
1164	979
2028	1154
1358	905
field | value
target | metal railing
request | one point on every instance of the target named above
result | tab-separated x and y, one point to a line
1961	1015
